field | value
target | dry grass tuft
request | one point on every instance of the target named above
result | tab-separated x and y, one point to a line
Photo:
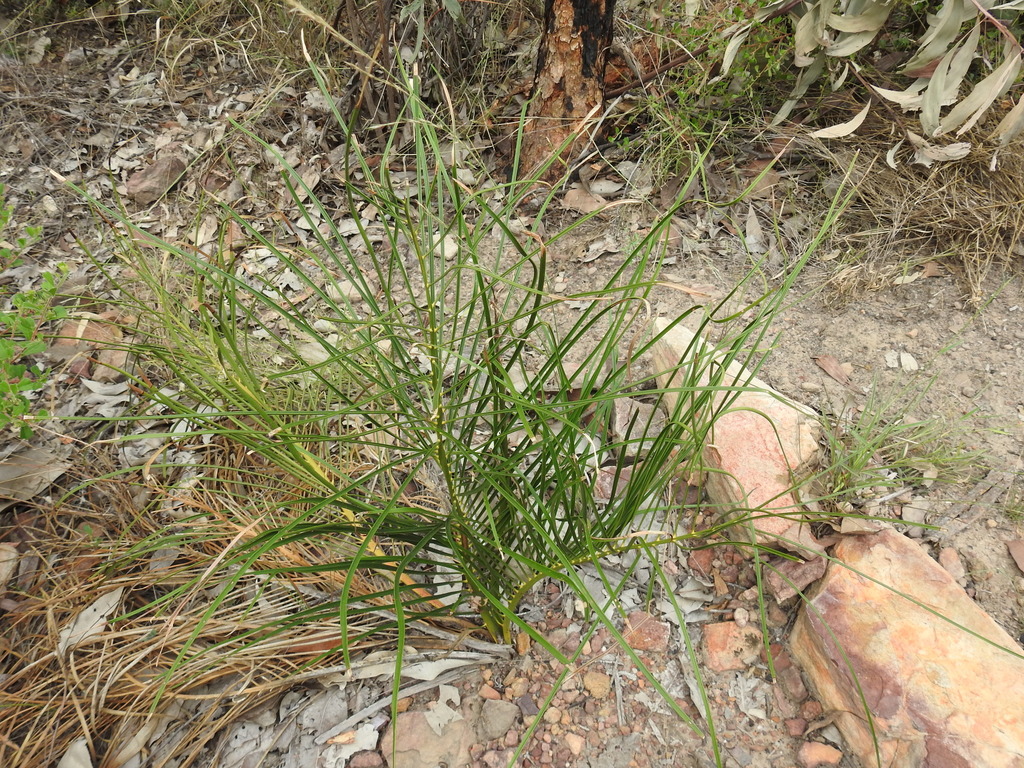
167	671
965	214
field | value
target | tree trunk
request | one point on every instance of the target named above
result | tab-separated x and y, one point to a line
569	84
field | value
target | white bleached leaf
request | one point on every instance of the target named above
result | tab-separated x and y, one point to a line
944	86
909	100
362	739
8	562
848	44
440	713
943	30
926	153
965	114
843	129
732	48
1011	124
804	80
890	156
605	186
90	622
77	755
754	233
869	20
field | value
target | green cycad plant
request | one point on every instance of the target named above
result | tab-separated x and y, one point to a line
429	420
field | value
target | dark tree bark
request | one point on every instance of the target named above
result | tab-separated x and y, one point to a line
569	84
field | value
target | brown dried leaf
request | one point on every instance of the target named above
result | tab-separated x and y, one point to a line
830	365
150	184
581	201
26	473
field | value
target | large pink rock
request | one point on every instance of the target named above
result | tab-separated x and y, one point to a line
940	697
759	447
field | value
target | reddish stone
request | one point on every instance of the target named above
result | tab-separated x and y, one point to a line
789	578
796	726
793	683
811	710
760	441
700	560
814	754
939	695
731	647
366	759
646	633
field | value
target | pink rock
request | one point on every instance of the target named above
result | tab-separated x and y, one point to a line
949	559
366	759
487	692
731	647
789	578
939	696
415	743
814	754
793	683
646	633
757	447
575	742
795	726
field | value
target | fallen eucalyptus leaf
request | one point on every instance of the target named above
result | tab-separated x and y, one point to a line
90	622
843	129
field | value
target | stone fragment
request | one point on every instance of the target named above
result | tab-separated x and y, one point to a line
416	744
496	719
497	758
646	633
938	695
790	577
916	512
814	754
366	759
757	446
149	184
949	559
598	684
1016	550
728	646
796	726
575	743
793	683
699	560
489	693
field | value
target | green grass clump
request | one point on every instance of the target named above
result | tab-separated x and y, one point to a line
22	323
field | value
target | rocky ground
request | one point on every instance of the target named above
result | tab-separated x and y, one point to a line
91	108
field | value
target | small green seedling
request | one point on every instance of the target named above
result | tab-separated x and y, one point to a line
22	319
